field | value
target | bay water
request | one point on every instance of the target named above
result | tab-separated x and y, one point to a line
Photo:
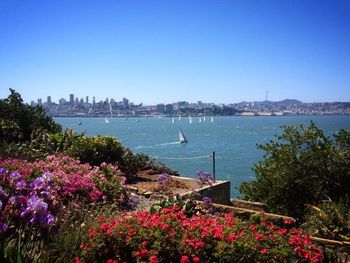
233	139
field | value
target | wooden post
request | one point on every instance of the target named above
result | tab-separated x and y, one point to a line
214	165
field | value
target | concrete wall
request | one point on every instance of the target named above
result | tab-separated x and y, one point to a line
219	192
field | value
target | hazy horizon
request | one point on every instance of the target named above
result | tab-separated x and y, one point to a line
163	52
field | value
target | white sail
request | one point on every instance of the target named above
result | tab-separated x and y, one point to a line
212	119
106	120
182	137
173	120
200	119
190	120
204	118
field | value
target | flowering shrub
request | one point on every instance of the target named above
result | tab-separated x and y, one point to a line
72	180
171	236
164	180
204	178
33	194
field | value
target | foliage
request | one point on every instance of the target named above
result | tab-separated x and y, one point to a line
328	220
19	122
171	236
96	150
131	163
35	195
303	166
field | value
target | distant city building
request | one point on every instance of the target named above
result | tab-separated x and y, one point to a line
87	99
48	100
76	100
61	101
81	101
71	98
160	108
93	100
125	102
169	109
40	102
32	103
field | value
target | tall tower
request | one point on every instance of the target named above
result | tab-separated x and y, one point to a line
267	95
71	98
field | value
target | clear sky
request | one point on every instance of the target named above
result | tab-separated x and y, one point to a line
170	50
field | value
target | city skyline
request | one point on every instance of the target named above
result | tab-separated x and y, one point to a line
162	52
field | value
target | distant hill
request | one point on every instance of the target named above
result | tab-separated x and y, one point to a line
289	101
282	102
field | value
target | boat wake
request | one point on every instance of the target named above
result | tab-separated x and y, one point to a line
156	145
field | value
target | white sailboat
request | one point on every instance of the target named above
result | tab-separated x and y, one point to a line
190	118
79	122
204	118
173	120
106	121
212	119
200	119
182	138
179	117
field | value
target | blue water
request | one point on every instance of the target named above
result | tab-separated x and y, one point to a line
233	139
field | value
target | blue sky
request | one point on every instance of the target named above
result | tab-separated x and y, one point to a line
166	51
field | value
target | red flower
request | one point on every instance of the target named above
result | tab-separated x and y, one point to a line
196	259
252	227
77	260
112	261
287	221
153	259
144	252
184	259
265	251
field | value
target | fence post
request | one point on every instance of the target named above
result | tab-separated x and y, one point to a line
214	165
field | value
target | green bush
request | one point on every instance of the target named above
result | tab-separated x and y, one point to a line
96	150
19	121
328	220
131	163
303	166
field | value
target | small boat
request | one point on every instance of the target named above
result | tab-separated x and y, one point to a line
182	138
79	122
212	119
179	117
106	121
173	120
200	120
190	120
204	118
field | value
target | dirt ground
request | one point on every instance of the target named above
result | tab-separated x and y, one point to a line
147	181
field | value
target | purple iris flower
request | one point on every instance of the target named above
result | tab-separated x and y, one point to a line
3	227
15	175
21	184
36	204
3	170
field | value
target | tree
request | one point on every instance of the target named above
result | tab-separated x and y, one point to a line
303	166
19	122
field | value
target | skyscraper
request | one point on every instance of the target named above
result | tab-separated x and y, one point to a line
71	98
